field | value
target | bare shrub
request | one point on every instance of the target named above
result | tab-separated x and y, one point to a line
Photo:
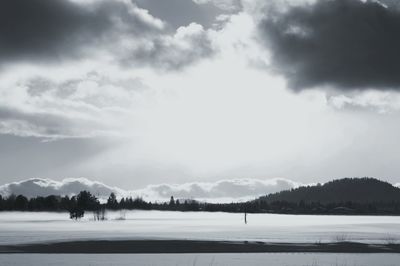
100	214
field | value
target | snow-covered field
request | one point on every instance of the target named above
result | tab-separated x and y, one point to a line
282	259
28	227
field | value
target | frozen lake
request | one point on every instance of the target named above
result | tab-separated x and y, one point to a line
202	259
27	227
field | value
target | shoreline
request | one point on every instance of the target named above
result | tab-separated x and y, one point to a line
192	246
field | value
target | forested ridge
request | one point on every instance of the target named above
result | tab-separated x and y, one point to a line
357	190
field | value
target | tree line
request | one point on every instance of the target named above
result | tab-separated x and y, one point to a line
87	202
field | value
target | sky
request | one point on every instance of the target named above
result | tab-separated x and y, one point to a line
142	92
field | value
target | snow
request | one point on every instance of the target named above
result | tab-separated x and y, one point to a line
28	227
201	259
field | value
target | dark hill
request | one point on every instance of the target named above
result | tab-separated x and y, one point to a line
356	190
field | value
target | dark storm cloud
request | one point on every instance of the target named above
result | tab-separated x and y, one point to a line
52	29
347	44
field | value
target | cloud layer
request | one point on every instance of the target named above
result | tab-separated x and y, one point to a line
345	44
57	30
68	67
228	5
54	29
72	107
220	191
45	187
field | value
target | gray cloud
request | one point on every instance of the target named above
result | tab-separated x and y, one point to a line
54	29
181	12
79	107
347	44
46	125
187	46
226	5
44	187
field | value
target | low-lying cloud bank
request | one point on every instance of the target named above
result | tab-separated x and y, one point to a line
44	187
219	191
